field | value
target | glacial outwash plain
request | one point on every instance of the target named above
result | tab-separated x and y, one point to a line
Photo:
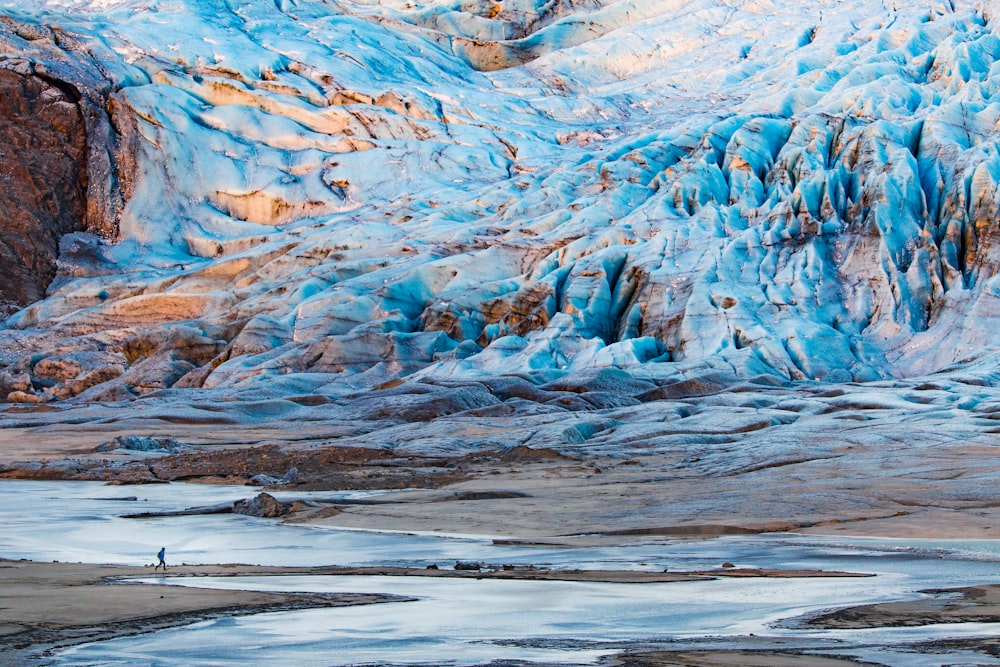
619	299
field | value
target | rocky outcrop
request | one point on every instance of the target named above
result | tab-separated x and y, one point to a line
43	150
58	151
263	505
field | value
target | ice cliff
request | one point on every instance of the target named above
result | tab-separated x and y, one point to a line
308	196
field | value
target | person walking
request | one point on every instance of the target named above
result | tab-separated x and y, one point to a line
162	554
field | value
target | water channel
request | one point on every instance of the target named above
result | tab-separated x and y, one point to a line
475	622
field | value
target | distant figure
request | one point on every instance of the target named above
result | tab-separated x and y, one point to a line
162	554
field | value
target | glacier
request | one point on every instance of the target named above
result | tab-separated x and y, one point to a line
357	193
604	271
733	245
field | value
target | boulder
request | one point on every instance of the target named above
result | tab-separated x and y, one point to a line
262	505
472	567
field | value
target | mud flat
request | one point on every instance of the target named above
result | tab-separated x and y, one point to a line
45	607
733	658
641	597
972	604
529	478
48	606
528	493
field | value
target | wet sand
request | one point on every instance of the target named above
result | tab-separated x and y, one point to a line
833	482
734	658
524	496
48	606
973	604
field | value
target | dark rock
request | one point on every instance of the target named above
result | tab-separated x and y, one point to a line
43	180
514	567
526	454
64	468
461	565
262	505
728	565
132	473
60	171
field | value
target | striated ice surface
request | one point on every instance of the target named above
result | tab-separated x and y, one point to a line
357	192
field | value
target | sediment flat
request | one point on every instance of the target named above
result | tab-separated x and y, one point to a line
45	607
518	495
48	606
544	574
732	658
971	604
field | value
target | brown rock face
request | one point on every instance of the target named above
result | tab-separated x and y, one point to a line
263	505
43	155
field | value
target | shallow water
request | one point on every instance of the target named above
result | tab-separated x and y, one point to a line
469	621
464	622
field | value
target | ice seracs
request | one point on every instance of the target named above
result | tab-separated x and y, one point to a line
358	193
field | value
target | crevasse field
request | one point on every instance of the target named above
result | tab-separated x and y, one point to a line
352	192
